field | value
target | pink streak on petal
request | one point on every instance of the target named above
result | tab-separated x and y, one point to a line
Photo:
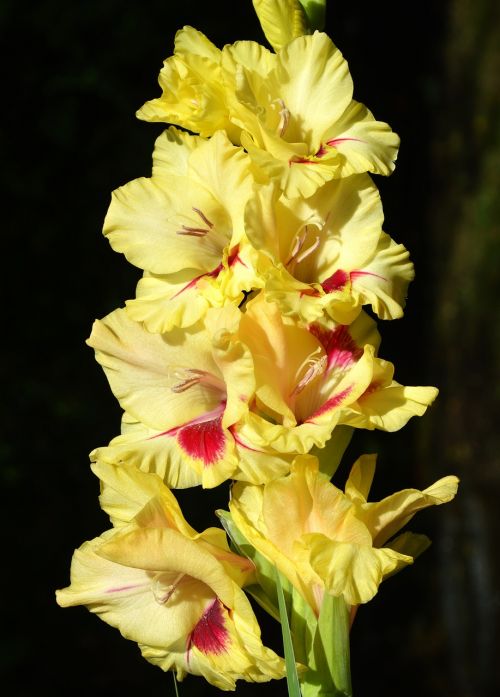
124	588
339	345
359	274
234	258
335	141
331	403
323	150
204	441
210	636
194	281
239	442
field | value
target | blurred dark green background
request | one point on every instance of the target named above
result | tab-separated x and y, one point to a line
73	75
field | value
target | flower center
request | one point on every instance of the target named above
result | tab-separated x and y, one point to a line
162	591
299	250
311	368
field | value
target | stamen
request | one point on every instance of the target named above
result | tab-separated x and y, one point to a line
297	255
284	118
188	377
309	250
299	240
203	217
162	593
196	231
315	368
193	231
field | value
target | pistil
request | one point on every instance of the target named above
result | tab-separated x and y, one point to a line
162	593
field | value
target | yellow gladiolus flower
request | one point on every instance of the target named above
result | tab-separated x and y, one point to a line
327	541
292	111
311	378
184	393
193	89
175	592
328	253
300	124
184	227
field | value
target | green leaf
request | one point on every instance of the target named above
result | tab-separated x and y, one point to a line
292	678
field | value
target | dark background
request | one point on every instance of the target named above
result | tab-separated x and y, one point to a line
73	75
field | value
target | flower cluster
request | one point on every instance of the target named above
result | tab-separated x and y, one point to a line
249	354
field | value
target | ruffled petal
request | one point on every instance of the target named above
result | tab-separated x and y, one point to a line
359	143
350	570
143	370
386	404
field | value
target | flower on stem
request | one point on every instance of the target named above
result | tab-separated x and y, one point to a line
328	253
301	125
309	379
293	111
183	393
324	540
184	228
175	592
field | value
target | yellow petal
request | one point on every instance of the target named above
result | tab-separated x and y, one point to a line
362	144
312	78
125	491
158	550
124	596
171	152
145	449
387	517
168	301
143	370
350	570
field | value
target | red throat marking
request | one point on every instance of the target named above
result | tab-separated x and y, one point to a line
203	441
210	636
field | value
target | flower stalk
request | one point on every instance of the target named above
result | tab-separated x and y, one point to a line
247	356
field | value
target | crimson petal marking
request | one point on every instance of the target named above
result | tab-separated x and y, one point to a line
335	282
331	403
339	345
203	441
324	148
339	279
192	283
210	635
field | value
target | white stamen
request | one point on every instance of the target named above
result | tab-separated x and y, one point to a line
314	368
284	118
308	251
